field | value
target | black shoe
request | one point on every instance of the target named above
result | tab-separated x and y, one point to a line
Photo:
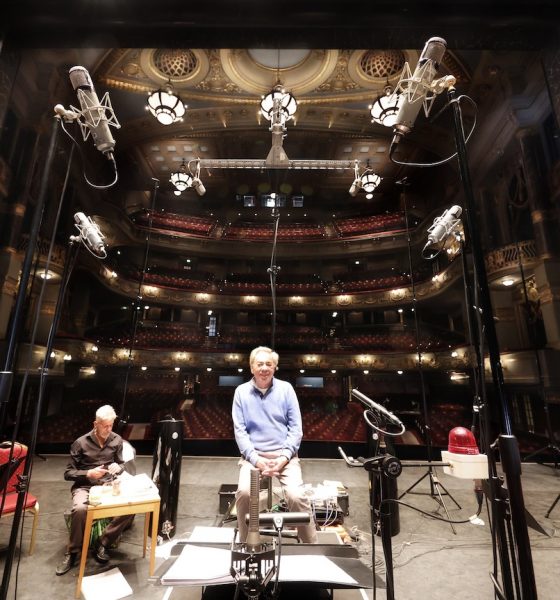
101	554
67	563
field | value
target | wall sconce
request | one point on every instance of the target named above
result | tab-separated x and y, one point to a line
166	106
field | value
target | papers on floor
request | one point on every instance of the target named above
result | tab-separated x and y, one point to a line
109	585
200	565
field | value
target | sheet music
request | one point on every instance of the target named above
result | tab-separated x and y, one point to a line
200	565
313	567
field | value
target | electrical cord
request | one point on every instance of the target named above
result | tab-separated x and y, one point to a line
81	154
431	515
454	155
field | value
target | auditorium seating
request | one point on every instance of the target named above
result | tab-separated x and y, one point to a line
362	225
153	335
172	222
287	232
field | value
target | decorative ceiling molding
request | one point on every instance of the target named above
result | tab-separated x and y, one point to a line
301	78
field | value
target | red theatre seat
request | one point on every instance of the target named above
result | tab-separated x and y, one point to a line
16	468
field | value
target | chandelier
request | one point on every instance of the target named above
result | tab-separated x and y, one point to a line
368	182
385	109
181	179
278	105
166	106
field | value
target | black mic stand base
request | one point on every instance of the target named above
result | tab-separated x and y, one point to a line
548	449
435	492
547	514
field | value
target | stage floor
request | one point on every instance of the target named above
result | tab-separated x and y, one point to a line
430	561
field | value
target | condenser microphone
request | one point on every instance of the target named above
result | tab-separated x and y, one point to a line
416	88
90	234
253	534
369	403
96	115
444	224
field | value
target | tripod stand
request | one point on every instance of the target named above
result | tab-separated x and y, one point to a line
435	485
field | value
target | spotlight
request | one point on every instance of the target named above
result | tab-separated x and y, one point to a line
198	186
355	187
356	184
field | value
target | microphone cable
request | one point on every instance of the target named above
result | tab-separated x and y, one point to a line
109	156
432	120
436	517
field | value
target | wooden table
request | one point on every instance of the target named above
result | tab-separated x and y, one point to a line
116	506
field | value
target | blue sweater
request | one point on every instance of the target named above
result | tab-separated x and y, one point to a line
266	423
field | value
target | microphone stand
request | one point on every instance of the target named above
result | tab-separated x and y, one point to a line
7	374
273	272
435	483
25	477
515	553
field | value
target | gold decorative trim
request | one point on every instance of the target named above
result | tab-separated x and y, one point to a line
253	77
192	79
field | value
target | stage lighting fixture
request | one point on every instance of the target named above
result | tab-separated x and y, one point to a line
198	186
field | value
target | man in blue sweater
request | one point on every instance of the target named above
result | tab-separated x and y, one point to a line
268	431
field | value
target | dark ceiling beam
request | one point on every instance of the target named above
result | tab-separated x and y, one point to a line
465	24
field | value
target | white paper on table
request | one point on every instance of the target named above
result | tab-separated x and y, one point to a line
137	485
109	585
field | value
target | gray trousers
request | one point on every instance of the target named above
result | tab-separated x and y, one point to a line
291	480
78	522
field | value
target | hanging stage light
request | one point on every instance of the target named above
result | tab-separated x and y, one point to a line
368	182
166	106
385	109
181	179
